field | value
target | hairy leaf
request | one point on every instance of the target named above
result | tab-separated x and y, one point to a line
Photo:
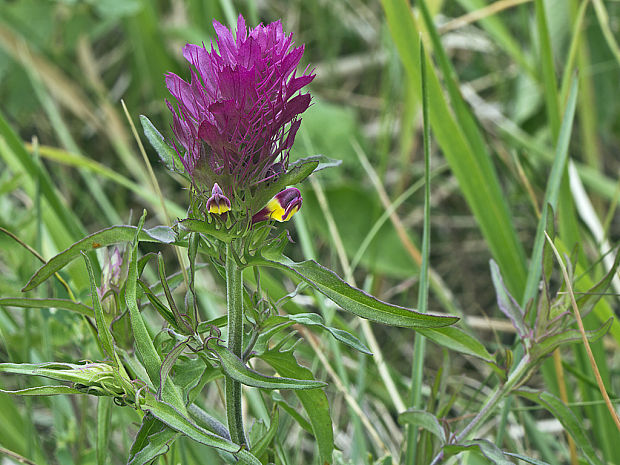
237	370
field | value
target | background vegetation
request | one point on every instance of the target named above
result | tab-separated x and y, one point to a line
498	89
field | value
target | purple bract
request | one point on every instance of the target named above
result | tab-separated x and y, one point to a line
237	119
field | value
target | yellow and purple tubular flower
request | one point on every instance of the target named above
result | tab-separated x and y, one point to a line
218	203
281	207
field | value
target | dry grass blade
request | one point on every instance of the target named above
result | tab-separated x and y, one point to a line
482	13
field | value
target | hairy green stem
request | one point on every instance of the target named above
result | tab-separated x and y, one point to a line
492	402
234	302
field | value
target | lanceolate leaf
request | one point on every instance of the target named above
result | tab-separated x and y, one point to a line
568	419
45	391
352	299
144	344
324	162
314	319
205	227
261	445
175	420
423	419
105	237
237	370
167	154
152	440
103	332
62	304
507	304
458	340
482	446
314	402
549	344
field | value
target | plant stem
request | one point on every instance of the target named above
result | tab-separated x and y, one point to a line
491	403
234	302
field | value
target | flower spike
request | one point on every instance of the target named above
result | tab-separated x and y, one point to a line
218	203
281	207
238	114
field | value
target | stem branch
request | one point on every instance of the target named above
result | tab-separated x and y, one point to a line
234	302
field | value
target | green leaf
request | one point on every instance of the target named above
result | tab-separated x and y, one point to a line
507	304
45	391
526	459
105	237
352	299
167	154
237	370
314	319
62	304
324	162
423	419
294	414
144	344
314	402
105	337
568	419
548	344
169	362
262	444
175	420
206	227
100	378
458	340
481	446
153	439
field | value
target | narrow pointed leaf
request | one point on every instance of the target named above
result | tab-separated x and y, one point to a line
423	419
62	304
261	445
105	337
206	227
568	419
314	401
481	446
102	238
458	340
44	391
153	439
550	343
314	319
324	162
352	299
175	420
237	370
507	304
144	343
167	154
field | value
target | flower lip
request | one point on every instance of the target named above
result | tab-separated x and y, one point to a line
281	207
218	203
239	114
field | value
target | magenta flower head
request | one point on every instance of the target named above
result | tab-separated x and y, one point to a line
237	118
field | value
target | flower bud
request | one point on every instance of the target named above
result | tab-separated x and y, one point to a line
218	203
281	207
